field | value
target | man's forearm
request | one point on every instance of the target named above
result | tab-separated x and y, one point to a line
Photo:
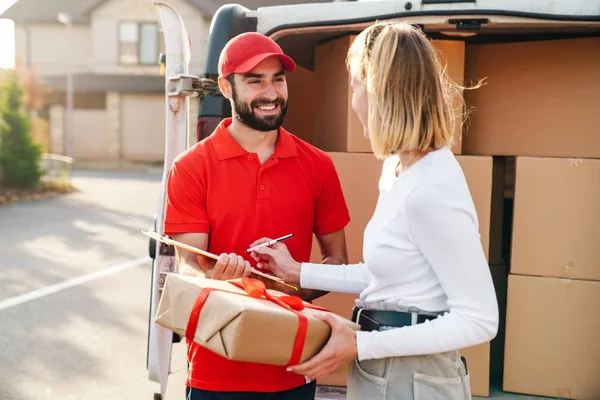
311	294
188	269
335	259
188	262
189	265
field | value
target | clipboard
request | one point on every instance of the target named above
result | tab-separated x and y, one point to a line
167	240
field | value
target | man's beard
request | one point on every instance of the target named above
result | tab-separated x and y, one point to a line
245	114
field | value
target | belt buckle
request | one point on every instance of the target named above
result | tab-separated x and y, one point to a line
414	318
355	313
367	324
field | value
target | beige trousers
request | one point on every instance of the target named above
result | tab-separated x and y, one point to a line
429	377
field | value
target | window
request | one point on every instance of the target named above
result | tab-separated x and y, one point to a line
139	43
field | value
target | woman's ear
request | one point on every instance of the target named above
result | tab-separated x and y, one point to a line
225	88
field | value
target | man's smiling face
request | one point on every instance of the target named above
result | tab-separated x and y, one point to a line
260	96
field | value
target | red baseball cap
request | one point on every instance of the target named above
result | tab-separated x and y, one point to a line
244	52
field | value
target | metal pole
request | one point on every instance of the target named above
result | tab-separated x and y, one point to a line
65	18
69	130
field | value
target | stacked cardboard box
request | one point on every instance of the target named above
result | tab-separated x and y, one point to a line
539	99
538	108
553	311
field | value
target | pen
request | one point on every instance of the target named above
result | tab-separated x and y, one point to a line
271	242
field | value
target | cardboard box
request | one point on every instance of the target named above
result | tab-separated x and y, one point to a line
478	172
500	278
451	54
540	99
359	177
552	330
301	103
238	326
485	177
336	126
341	304
556	223
478	364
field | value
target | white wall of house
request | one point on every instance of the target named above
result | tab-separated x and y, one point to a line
57	129
47	49
131	126
90	139
105	34
142	127
20	44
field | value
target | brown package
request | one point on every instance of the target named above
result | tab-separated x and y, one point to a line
478	365
540	98
556	221
237	326
552	346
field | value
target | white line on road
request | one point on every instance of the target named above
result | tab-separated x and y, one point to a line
57	287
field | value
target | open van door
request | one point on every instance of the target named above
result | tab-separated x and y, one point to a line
176	61
179	85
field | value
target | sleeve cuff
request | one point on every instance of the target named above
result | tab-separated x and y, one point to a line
172	228
307	274
334	226
364	342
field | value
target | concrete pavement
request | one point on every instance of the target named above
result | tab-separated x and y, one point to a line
86	340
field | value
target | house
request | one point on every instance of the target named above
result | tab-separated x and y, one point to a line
111	49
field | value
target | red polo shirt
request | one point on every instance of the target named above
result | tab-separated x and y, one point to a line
217	187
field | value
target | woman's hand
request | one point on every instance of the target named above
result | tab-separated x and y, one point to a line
339	350
276	259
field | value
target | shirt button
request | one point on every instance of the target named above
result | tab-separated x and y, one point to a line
262	187
249	158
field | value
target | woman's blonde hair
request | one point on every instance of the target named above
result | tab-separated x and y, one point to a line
410	97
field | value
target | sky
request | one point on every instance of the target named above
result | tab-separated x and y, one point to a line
7	38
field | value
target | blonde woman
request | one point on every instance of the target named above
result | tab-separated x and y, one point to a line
425	286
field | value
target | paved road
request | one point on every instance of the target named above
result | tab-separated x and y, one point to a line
86	341
74	294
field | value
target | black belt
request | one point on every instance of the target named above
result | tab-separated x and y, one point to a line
374	320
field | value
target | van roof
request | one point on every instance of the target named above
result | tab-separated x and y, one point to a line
274	18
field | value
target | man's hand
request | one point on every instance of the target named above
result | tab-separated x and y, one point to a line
229	266
205	263
339	350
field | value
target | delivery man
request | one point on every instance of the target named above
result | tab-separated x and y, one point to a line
251	179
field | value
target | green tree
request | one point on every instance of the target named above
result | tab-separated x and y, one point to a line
19	155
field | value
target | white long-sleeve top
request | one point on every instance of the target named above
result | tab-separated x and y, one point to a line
422	250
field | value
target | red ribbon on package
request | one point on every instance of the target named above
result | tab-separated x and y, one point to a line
257	289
